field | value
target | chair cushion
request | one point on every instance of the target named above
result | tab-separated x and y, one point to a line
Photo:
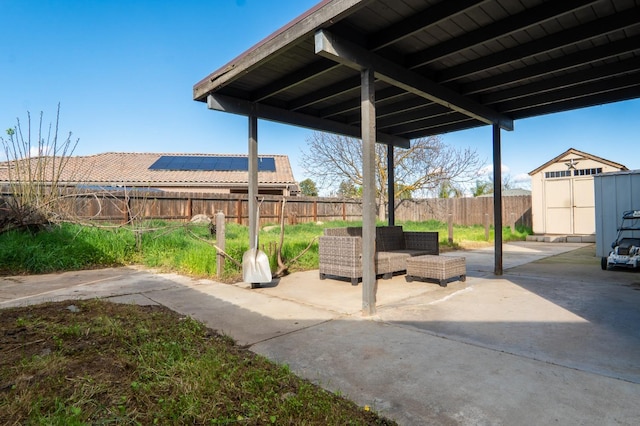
389	238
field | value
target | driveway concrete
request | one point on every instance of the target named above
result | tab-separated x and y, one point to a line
553	340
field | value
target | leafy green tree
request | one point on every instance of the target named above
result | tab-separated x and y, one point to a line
485	187
309	188
348	190
482	188
448	190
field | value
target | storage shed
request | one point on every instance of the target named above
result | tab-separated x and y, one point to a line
615	193
563	197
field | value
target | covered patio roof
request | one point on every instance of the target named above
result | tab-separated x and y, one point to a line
392	71
440	66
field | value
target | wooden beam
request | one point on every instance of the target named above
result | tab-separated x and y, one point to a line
550	43
353	105
429	122
504	27
349	54
419	21
625	94
291	80
561	63
344	86
439	130
404	116
602	72
240	106
574	92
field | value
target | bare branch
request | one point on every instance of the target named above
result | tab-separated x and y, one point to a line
419	170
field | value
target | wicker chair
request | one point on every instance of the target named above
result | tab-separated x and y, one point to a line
340	251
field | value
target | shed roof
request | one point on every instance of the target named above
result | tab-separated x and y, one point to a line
440	66
581	154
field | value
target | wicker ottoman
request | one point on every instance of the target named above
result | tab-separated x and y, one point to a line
442	269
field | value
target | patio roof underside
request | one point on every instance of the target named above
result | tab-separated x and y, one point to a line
440	66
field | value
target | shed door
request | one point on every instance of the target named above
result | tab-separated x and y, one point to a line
558	204
570	206
584	210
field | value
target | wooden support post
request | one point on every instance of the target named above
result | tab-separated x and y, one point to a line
253	180
189	208
497	199
220	242
315	210
368	111
239	210
450	220
344	211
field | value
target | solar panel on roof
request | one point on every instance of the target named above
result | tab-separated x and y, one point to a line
211	164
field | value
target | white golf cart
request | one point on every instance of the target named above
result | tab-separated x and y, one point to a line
626	247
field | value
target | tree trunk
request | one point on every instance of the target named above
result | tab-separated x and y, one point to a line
382	210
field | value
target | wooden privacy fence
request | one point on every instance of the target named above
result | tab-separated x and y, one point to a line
516	210
131	205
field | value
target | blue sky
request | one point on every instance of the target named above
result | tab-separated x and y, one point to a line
123	72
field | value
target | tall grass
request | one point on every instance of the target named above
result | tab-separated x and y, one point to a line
185	248
64	247
462	234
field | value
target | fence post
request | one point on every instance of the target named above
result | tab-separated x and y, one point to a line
486	226
239	210
450	220
512	220
315	210
220	242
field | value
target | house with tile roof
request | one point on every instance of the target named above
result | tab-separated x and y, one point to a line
214	173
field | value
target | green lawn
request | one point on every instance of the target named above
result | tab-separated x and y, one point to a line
185	248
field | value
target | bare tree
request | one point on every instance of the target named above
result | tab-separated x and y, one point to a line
36	159
419	170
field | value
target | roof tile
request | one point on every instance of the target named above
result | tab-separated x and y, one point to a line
133	168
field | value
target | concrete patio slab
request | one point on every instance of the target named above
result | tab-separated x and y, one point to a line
417	378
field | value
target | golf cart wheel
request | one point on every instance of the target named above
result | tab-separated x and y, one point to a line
603	263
